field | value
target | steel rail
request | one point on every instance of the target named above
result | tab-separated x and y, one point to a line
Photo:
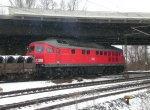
62	87
64	96
90	98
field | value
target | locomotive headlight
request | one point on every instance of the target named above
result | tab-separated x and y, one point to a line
39	60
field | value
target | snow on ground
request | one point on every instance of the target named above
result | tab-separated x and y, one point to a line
34	84
140	101
24	85
140	71
107	103
88	103
52	93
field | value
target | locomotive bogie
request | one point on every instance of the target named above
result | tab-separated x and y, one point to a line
73	71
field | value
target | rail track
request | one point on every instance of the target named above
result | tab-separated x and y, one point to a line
90	98
62	87
127	88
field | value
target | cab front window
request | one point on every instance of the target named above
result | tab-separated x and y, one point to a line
39	49
31	49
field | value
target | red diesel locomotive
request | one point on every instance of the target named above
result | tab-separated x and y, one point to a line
58	57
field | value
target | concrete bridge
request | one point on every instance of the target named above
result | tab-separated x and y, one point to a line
28	25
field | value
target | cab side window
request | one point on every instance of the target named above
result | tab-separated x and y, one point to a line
73	51
105	53
101	52
31	49
88	51
49	50
97	52
39	49
83	51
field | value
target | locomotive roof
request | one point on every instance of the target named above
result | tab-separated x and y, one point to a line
75	44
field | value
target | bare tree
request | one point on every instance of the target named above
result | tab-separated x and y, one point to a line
73	5
45	4
62	5
22	3
48	4
30	3
17	3
137	57
130	55
54	5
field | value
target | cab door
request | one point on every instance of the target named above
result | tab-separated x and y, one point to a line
50	55
39	54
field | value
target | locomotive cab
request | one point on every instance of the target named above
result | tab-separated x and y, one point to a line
37	51
43	53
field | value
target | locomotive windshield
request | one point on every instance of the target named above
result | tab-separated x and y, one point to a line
31	49
39	49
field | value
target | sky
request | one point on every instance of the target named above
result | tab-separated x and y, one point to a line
109	5
120	5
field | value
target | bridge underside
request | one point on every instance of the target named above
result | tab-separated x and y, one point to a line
20	31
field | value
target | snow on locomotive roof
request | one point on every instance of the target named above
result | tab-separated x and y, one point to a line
76	44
